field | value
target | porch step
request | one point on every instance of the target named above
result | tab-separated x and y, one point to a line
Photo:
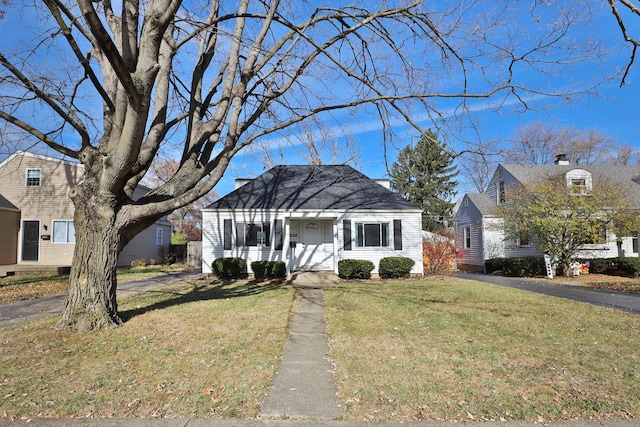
313	279
18	269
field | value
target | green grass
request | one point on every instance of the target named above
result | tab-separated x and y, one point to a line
201	350
459	350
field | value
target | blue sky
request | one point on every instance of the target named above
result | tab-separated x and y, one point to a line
613	113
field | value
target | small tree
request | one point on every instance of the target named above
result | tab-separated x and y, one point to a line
425	176
562	220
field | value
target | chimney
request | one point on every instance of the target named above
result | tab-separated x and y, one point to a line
386	183
561	159
241	181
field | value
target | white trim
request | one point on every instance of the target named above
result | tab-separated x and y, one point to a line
67	221
39	157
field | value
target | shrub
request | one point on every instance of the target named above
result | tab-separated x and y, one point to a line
259	269
355	269
140	262
229	268
278	269
526	266
438	256
494	264
630	266
262	269
601	265
392	267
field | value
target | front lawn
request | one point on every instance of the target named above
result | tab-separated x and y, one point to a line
451	349
197	350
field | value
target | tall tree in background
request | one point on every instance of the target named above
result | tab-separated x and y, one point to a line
113	85
424	174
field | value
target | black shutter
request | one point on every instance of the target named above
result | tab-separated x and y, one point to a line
346	225
397	234
227	234
278	237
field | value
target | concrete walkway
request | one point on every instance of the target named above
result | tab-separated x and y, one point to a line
303	387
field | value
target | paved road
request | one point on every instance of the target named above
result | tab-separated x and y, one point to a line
612	299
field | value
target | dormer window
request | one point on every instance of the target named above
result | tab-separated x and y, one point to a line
579	186
579	181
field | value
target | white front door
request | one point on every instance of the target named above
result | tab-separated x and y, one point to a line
311	250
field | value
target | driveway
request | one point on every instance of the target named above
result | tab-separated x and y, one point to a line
604	298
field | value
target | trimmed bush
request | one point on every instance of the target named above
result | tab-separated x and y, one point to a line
262	269
526	266
602	265
630	266
494	264
277	269
229	268
395	266
355	269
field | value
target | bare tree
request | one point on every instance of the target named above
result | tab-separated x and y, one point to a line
186	220
623	11
539	143
112	85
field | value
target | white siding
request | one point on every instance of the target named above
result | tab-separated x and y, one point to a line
411	238
332	237
213	238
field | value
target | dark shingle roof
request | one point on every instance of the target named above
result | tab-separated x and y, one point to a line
7	205
627	176
312	187
485	205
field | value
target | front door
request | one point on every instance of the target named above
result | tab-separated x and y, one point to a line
30	240
312	252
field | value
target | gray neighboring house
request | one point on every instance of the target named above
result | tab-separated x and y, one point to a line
478	229
311	217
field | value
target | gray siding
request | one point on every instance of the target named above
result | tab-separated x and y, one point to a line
469	215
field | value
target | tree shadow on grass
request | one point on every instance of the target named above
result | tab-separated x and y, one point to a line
216	290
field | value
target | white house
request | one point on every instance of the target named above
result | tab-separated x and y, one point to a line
311	217
478	229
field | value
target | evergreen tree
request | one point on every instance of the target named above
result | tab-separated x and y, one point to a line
425	176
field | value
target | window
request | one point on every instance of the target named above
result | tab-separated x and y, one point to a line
634	243
523	238
64	232
467	237
158	236
34	177
254	234
501	192
372	235
579	186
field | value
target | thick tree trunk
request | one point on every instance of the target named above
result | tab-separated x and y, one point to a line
91	301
